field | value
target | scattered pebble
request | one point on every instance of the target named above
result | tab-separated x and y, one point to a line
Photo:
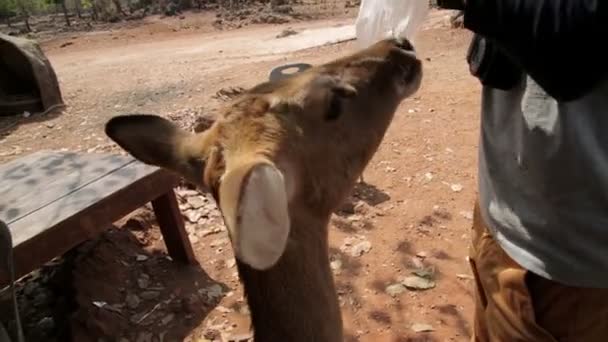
418	283
143	282
196	201
361	248
464	277
167	319
132	301
467	215
141	257
395	289
456	187
149	295
336	266
421	327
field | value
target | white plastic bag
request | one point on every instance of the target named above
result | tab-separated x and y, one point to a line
380	19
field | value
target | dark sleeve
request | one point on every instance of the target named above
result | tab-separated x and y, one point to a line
559	43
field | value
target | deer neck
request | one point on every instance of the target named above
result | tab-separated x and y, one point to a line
296	299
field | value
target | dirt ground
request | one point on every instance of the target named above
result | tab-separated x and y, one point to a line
414	209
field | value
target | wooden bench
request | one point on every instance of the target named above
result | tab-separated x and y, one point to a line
53	201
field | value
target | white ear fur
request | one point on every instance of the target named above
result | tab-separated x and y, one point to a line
261	226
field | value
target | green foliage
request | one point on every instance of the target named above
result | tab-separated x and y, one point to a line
8	8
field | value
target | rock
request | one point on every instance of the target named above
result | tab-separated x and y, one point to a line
244	310
143	282
30	288
425	272
395	289
211	334
167	319
361	248
421	327
218	242
362	208
138	224
197	201
144	336
149	295
418	283
467	215
193	239
141	257
193	215
41	298
230	262
46	324
132	301
209	231
213	291
286	33
336	266
428	176
223	309
187	193
347	207
421	255
464	277
456	187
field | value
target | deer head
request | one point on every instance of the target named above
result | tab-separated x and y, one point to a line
294	144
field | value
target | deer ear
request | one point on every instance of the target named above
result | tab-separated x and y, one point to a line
254	204
157	141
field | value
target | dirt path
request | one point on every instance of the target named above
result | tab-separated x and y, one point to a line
415	209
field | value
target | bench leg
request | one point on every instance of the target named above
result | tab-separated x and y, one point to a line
172	227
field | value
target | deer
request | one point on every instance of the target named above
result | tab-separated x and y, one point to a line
278	161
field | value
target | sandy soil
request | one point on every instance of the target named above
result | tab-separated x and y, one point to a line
414	209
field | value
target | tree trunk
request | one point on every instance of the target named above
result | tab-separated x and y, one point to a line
78	7
65	13
27	23
119	7
94	11
8	21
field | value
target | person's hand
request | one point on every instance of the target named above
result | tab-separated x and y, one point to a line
451	4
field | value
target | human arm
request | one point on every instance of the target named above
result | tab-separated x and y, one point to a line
557	42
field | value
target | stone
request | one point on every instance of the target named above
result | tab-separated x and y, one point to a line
361	248
193	215
197	201
30	288
418	283
46	324
456	187
395	289
144	336
132	301
167	319
336	266
143	282
149	295
141	257
467	215
421	327
214	291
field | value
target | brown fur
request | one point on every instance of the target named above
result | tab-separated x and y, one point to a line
319	129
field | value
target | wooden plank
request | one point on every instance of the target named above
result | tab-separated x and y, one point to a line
36	182
41	237
79	200
172	226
